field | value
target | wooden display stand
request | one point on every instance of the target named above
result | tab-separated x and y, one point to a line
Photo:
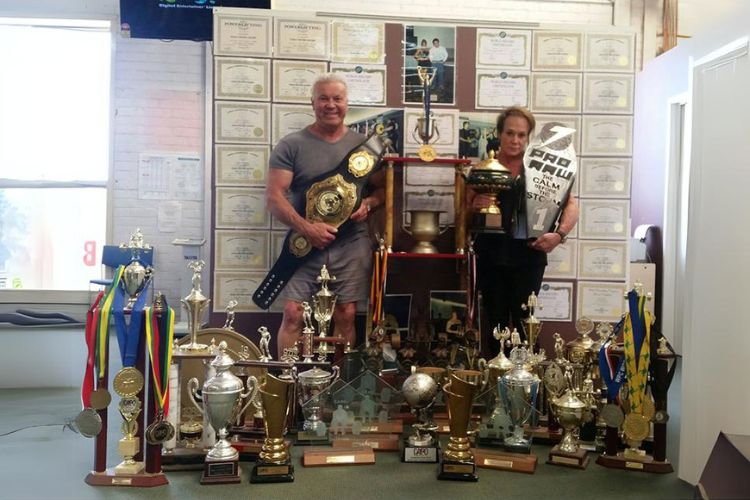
513	462
327	457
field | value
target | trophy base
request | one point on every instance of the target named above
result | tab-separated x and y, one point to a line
311	438
523	447
272	473
513	462
487	223
577	460
420	454
327	457
452	470
129	469
644	464
109	478
221	472
378	442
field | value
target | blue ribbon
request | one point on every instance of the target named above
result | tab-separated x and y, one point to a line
612	381
129	335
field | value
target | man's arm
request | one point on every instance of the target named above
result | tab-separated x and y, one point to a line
374	200
548	241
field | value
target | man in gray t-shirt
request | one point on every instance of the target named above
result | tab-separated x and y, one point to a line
296	160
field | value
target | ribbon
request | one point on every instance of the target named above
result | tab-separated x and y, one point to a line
159	338
612	376
377	286
471	293
128	335
90	336
102	324
636	333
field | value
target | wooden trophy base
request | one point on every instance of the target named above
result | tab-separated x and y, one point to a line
450	470
328	457
420	454
642	463
487	223
141	480
513	462
577	460
378	442
221	472
272	473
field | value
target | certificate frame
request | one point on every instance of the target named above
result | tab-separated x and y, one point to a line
492	41
359	90
564	287
312	45
258	91
607	135
605	177
608	93
257	132
368	48
282	116
227	197
614	251
226	239
600	300
276	243
604	219
293	80
239	286
610	52
557	51
568	100
572	121
485	78
252	169
562	262
447	122
241	35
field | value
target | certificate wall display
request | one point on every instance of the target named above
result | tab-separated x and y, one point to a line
242	78
608	93
241	165
500	89
556	301
293	80
446	123
365	84
557	51
563	260
572	121
241	35
602	260
277	242
301	39
556	92
288	118
504	48
241	208
241	250
604	177
242	122
239	286
600	301
607	135
604	219
610	52
358	42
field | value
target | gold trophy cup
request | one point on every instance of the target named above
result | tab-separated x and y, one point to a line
457	461
274	462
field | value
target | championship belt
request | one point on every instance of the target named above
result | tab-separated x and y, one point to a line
550	166
331	198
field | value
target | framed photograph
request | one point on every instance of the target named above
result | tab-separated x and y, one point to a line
242	79
242	122
293	80
608	93
241	165
239	286
448	312
602	260
477	135
607	135
555	301
501	89
604	177
562	262
288	118
557	51
610	52
358	42
556	92
301	39
365	84
397	309
241	208
604	219
365	120
242	35
600	301
497	47
241	250
432	48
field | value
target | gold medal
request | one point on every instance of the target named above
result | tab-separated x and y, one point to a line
361	163
636	426
128	382
88	423
159	432
100	398
426	153
648	409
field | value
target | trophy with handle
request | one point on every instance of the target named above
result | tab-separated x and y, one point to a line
426	130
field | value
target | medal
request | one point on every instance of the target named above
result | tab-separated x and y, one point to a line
661	417
636	426
648	409
160	337
426	153
612	415
128	382
88	423
100	398
159	432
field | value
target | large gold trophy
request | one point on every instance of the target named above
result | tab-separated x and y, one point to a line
457	461
274	462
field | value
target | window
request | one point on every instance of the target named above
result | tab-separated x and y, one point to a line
54	151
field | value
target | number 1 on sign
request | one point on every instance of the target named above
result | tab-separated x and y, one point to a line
541	214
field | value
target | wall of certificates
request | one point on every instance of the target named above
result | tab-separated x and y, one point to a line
265	62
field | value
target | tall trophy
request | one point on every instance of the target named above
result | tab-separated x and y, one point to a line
531	325
426	130
489	177
424	228
324	302
195	303
518	389
136	275
221	396
274	463
457	461
311	387
550	165
420	390
570	412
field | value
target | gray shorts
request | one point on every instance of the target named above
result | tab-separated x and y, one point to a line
349	260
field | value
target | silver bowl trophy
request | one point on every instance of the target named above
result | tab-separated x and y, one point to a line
324	302
195	303
221	396
519	389
570	412
426	130
311	391
420	390
489	177
493	431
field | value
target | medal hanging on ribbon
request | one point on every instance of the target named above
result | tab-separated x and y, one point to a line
612	376
159	339
129	381
88	422
636	333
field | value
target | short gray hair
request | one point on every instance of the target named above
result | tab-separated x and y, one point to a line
328	78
